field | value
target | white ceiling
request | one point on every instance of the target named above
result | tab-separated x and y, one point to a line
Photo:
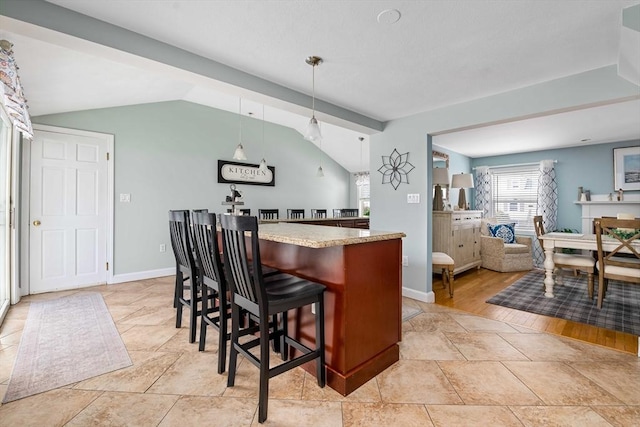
439	53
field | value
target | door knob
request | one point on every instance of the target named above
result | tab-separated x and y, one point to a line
36	223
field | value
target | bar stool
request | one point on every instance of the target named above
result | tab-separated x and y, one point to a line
264	301
318	213
268	213
444	263
212	283
295	213
179	230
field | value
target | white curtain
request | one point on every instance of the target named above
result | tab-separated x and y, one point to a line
483	191
547	204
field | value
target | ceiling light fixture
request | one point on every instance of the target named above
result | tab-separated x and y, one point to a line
239	153
313	128
263	162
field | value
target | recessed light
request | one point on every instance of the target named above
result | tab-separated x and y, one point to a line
389	16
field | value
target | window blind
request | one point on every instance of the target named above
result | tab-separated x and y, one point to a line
515	195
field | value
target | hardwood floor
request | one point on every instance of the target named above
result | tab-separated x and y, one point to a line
473	287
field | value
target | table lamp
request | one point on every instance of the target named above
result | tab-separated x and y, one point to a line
462	181
440	177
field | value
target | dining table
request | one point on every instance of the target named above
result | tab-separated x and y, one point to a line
561	240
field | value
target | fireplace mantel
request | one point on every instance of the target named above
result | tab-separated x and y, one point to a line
600	206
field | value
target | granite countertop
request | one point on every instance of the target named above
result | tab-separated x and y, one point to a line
320	236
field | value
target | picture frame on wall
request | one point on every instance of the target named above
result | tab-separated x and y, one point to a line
626	168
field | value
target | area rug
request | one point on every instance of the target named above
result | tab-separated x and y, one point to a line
64	341
409	312
620	310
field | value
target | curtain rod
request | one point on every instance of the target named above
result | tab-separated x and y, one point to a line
511	165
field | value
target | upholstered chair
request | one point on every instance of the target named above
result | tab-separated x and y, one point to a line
504	257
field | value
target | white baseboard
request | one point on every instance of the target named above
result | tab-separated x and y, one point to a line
418	295
142	275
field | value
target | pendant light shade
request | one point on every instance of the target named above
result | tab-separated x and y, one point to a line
313	129
239	153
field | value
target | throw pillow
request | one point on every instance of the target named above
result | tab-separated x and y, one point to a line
505	231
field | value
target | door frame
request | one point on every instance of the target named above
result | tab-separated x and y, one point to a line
26	199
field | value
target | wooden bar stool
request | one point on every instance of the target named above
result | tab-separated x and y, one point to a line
445	264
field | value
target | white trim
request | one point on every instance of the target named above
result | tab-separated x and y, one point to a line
142	275
109	140
418	295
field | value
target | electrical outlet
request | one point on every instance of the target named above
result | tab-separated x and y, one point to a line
125	198
163	248
405	261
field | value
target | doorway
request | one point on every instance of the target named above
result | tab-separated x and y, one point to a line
70	209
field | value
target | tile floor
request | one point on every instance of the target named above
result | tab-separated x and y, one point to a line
455	370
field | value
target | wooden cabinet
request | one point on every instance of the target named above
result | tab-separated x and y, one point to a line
457	234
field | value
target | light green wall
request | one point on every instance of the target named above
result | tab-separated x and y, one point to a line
166	157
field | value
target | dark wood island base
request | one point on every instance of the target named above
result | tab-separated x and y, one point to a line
363	302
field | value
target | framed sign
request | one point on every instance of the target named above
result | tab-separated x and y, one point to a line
626	168
245	173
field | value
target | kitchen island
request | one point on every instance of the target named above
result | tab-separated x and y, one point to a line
363	302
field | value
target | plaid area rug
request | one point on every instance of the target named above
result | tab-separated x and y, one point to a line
620	309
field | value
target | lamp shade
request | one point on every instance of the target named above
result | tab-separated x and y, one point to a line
440	176
462	180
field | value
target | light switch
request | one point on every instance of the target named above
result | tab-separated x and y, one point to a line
413	198
125	198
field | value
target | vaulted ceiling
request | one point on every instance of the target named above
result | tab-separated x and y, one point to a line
382	60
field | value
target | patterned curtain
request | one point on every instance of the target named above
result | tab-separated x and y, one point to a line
547	205
483	191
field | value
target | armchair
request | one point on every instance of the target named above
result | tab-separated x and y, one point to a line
504	257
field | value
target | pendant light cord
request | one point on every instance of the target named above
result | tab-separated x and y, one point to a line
240	120
313	91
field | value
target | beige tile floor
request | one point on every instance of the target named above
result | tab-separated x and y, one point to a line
456	369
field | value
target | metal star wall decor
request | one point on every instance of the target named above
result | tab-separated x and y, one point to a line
395	169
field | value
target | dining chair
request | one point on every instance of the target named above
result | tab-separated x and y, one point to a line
268	213
622	261
186	269
318	213
265	301
295	213
575	262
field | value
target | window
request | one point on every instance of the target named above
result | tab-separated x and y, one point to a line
363	191
514	193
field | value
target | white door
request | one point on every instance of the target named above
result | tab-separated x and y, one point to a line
68	211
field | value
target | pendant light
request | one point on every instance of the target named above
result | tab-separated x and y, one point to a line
360	176
263	162
239	153
313	129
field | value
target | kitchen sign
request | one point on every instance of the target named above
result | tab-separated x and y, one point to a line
245	173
